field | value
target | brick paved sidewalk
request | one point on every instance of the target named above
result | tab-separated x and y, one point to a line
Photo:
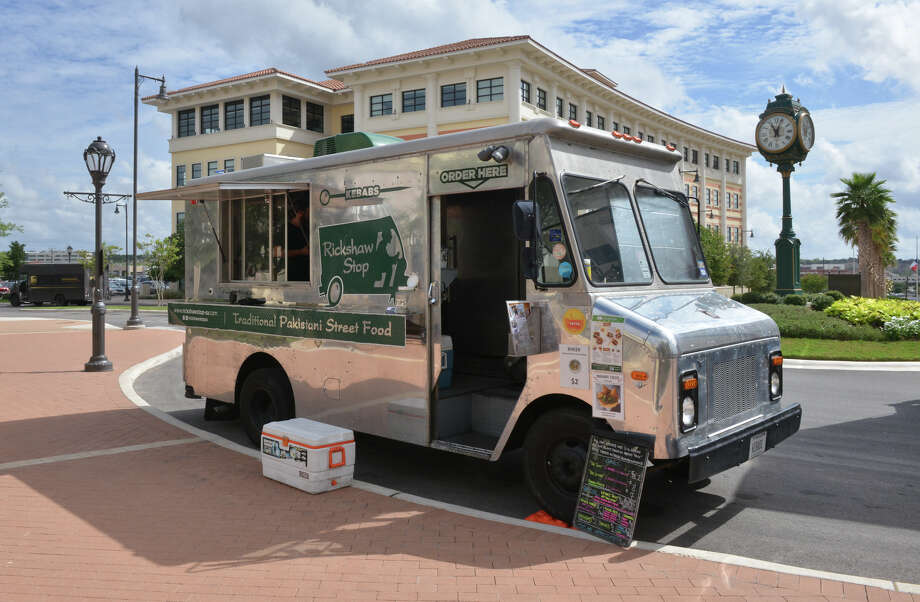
184	519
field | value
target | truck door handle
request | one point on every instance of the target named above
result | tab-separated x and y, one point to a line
433	289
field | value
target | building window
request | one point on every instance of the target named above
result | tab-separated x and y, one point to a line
413	100
663	142
212	168
715	197
601	123
315	118
616	126
687	190
715	162
641	135
525	91
735	167
290	111
196	170
695	157
727	166
210	119
696	193
180	219
187	123
382	104
348	123
233	115
560	107
737	201
708	196
180	175
686	154
259	110
228	165
541	98
488	90
706	159
573	111
453	95
651	138
626	130
589	119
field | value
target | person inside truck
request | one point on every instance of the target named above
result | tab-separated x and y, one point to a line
298	242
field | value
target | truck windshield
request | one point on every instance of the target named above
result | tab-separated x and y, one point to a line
672	236
607	232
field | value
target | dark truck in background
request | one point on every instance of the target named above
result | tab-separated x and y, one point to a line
58	283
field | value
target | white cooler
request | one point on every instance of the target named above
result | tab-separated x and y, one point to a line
309	455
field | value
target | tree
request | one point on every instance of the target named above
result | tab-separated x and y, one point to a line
868	223
717	258
739	265
814	283
761	272
175	272
6	228
161	254
15	257
87	258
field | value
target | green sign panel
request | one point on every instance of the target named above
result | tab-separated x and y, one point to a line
361	258
294	322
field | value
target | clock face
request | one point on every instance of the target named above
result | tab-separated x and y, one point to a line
775	133
806	131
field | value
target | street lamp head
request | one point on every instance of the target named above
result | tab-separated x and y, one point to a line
99	158
162	94
69	249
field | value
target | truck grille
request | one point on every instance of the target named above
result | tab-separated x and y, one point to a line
735	386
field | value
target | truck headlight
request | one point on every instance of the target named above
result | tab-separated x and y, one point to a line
689	397
776	375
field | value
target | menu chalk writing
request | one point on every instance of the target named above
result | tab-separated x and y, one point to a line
611	488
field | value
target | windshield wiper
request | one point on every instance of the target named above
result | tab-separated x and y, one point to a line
664	192
593	186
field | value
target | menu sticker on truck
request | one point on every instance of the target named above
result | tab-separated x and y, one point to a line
607	367
573	366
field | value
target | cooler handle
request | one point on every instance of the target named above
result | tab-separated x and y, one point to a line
336	450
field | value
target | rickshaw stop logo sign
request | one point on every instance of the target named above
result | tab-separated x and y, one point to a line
474	177
361	258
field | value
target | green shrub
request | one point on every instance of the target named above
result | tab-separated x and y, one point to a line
771	298
901	328
752	297
814	283
801	322
737	298
873	312
795	300
821	302
837	295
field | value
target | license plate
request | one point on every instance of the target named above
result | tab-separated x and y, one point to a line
758	444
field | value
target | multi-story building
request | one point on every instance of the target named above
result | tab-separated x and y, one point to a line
54	256
270	115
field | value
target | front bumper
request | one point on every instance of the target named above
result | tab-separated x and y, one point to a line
734	449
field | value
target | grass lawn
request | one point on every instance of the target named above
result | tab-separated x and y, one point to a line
856	351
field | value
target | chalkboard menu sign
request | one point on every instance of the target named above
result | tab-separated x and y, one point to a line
611	487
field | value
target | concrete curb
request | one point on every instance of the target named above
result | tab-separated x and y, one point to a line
854	366
126	382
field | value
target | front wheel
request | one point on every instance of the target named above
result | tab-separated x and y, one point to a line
554	459
15	301
264	397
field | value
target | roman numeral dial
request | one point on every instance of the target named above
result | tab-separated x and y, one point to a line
775	133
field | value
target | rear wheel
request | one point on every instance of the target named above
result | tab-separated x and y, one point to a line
264	397
14	300
60	300
554	459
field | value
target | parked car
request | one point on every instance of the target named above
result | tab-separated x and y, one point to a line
117	286
4	289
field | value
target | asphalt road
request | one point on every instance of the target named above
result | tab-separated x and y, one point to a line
842	495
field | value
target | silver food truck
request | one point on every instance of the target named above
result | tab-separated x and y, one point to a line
556	266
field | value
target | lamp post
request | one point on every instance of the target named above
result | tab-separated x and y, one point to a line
69	251
99	158
125	205
134	321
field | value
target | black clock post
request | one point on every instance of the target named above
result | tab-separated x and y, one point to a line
784	135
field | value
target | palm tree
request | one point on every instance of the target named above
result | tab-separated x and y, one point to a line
866	222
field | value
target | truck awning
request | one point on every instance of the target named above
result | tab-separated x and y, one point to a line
213	191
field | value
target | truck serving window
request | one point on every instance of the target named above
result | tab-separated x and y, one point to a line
672	236
606	231
555	252
268	237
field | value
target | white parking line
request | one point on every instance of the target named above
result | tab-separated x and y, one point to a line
127	378
96	453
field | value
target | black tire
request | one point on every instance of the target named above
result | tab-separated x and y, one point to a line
554	459
264	397
60	300
14	300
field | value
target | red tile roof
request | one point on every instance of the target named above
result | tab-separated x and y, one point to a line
331	84
445	49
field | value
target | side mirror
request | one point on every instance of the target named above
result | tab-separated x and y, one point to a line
524	217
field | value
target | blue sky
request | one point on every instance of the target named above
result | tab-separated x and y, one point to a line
67	69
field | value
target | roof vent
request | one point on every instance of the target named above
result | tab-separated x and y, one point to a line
341	143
